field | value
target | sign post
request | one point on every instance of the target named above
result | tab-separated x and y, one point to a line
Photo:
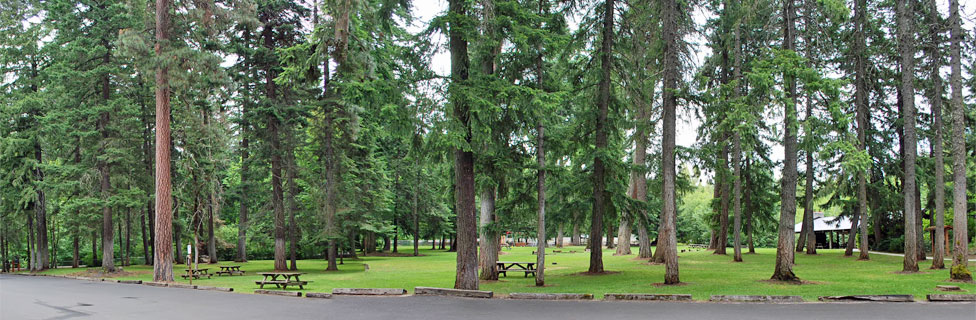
189	250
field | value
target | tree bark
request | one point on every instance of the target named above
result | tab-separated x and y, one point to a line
599	168
94	248
163	244
575	239
128	237
75	256
277	192
638	181
559	236
40	209
242	223
104	170
291	172
488	255
960	268
669	212
748	208
784	245
906	38
540	154
723	218
863	120
467	231
416	213
737	154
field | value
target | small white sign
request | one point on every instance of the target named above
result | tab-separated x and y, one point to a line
189	249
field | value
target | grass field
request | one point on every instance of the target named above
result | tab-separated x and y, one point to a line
703	274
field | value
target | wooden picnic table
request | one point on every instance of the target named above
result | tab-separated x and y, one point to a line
287	279
510	266
230	270
197	273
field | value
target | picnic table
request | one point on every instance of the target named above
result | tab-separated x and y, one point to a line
230	270
197	273
509	266
286	279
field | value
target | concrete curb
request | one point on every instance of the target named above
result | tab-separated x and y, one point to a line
550	296
210	288
874	298
181	286
646	297
421	291
279	293
951	297
318	295
760	299
369	291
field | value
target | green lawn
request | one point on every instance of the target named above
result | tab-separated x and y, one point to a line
703	273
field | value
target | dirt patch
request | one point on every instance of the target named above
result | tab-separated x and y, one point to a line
604	273
959	281
99	273
679	284
795	283
390	254
909	272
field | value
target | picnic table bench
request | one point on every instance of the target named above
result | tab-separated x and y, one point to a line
509	266
230	270
197	273
286	279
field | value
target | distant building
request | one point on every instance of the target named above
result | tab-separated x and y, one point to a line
831	232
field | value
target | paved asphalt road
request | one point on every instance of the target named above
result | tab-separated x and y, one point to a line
57	298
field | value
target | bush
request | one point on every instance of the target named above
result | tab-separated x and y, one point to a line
895	245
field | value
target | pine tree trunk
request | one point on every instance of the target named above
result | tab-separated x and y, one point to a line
242	222
540	154
94	248
104	169
291	172
723	217
669	210
938	219
467	231
784	245
40	210
849	249
906	39
623	236
747	201
416	217
737	156
128	237
610	236
638	180
145	238
488	254
960	239
75	256
599	168
211	240
919	231
575	239
863	121
559	236
163	244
